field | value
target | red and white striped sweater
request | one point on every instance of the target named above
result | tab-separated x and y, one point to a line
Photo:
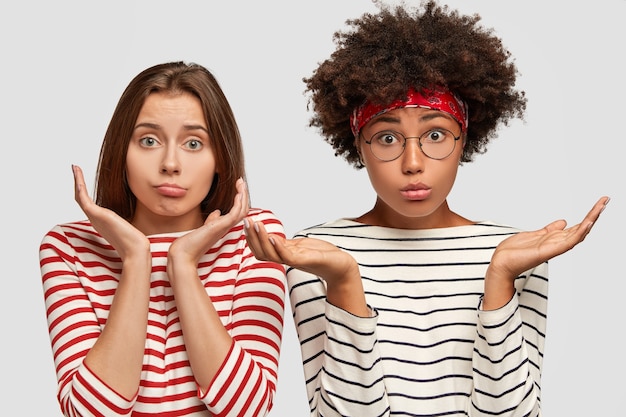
80	272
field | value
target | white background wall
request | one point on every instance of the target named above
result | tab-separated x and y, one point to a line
65	64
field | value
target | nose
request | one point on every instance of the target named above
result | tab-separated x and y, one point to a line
412	157
170	163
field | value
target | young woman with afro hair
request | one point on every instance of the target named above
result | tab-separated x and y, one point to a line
412	309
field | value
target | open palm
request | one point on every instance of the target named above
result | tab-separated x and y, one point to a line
526	250
123	236
311	255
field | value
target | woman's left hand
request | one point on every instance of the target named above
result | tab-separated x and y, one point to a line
193	245
526	250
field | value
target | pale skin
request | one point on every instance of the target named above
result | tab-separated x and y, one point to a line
170	167
397	208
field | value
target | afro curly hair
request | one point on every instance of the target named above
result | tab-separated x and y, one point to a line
385	54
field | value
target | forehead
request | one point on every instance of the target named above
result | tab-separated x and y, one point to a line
166	100
411	114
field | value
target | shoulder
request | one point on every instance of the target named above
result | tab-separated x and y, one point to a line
494	228
491	225
486	232
78	228
79	233
336	231
481	229
74	240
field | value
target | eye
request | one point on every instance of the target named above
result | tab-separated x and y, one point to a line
148	142
437	135
386	138
193	144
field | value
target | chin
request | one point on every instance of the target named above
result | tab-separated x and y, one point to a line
418	210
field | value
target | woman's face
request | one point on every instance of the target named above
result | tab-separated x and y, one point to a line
170	163
413	188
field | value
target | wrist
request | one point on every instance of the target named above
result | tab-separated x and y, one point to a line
348	294
178	268
138	260
498	289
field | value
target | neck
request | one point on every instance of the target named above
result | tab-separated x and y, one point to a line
151	224
383	215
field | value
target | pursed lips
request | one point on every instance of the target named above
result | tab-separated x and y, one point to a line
171	190
417	191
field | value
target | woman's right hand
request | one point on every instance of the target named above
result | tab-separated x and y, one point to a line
337	267
123	236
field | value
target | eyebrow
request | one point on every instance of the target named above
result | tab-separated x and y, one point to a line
158	127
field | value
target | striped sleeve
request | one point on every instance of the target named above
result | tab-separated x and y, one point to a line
246	382
74	327
339	352
508	351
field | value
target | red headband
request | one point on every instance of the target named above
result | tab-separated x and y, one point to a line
435	99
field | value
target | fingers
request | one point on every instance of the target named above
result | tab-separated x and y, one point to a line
80	189
241	203
581	230
595	212
242	188
261	243
237	212
555	225
79	181
217	224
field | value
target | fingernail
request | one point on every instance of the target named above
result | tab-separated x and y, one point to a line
256	227
272	241
605	204
246	225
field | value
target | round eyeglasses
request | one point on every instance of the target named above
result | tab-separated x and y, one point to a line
388	145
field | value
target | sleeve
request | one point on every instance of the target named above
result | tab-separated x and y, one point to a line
342	367
246	381
73	328
508	352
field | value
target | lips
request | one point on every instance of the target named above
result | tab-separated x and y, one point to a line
415	192
171	190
